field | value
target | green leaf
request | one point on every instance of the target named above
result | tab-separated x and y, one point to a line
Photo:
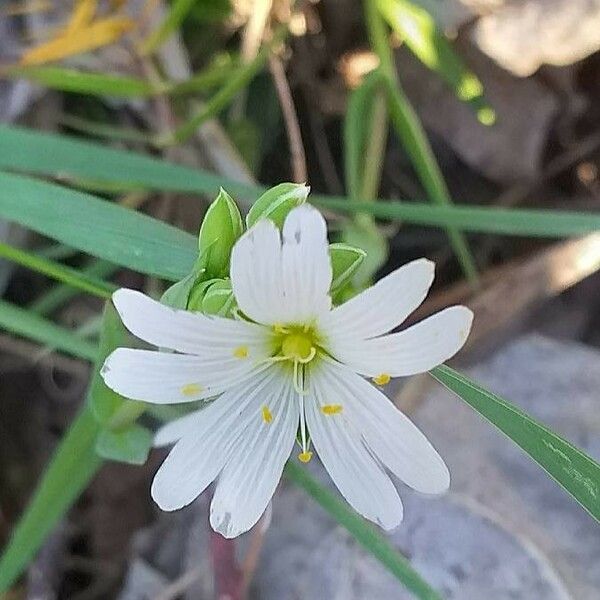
22	322
72	80
110	409
176	13
106	230
364	533
72	467
130	445
357	128
345	260
419	31
276	203
72	277
576	472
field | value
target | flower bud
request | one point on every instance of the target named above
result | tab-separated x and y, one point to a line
219	299
177	295
276	203
197	293
345	261
221	227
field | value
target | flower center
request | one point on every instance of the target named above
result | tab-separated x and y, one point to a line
298	347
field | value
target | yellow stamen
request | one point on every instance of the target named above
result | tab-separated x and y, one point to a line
331	409
305	456
241	352
279	328
266	415
382	379
191	389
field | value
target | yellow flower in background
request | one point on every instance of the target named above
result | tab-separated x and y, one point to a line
85	31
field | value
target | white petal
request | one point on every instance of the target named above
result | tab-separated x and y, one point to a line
185	331
352	467
175	430
283	281
306	265
383	306
168	378
249	479
394	439
198	457
414	350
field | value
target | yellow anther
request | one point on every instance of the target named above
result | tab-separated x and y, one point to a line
191	389
241	352
331	409
279	328
305	456
382	379
266	415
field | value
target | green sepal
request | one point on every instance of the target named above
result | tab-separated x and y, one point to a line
198	292
130	445
276	203
219	299
178	294
220	229
345	261
365	234
109	408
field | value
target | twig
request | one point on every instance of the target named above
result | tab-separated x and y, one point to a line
228	576
298	156
257	540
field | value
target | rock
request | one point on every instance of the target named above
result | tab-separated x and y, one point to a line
509	151
522	36
506	530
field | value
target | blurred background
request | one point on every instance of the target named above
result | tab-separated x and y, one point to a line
476	102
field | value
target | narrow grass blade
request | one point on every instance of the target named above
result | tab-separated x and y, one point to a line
413	138
22	322
74	464
72	80
576	472
100	228
364	533
419	31
72	277
176	13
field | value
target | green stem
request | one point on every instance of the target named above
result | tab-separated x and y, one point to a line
412	135
73	466
364	533
72	277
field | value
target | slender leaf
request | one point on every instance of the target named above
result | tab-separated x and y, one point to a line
72	277
22	322
74	464
576	472
176	13
73	80
413	138
418	29
364	533
106	230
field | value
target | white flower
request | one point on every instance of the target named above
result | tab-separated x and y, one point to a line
294	373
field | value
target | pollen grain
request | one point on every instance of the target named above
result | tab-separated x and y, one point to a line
241	352
191	389
331	409
267	416
382	379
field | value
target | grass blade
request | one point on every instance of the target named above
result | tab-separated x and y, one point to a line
419	31
72	277
26	324
74	464
576	472
100	228
176	13
364	533
413	138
